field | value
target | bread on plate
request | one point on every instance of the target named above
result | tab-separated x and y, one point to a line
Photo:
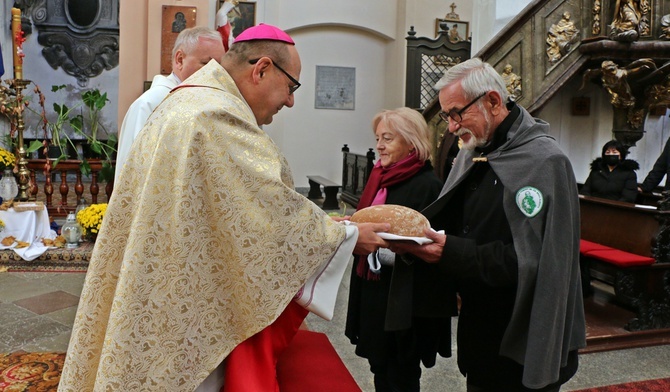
404	221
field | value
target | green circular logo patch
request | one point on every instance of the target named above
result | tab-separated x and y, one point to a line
529	200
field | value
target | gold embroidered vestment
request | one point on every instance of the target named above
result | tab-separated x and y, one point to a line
204	244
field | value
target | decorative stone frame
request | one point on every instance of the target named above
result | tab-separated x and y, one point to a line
79	36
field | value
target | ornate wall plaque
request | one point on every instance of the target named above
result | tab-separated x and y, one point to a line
175	19
79	36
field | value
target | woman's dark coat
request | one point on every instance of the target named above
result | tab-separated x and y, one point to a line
619	184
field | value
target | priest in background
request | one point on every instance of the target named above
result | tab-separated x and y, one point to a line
193	48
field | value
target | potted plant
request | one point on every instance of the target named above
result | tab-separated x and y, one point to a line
95	102
61	142
95	148
90	220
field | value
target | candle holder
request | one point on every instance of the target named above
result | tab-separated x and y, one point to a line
13	106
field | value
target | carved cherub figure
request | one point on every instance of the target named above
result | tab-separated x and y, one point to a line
632	87
621	82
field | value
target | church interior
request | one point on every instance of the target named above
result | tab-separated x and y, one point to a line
583	66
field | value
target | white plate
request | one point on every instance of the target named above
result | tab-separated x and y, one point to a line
418	240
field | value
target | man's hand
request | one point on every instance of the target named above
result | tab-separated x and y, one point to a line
368	240
430	253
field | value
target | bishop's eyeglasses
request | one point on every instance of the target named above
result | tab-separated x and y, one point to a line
291	89
455	115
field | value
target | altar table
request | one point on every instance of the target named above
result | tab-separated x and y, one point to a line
27	226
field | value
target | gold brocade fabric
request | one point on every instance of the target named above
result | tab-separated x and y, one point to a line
204	244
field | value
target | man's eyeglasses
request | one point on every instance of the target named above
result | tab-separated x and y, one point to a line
455	115
291	89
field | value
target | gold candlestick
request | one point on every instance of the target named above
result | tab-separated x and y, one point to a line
24	173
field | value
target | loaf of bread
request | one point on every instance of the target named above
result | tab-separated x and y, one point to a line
404	220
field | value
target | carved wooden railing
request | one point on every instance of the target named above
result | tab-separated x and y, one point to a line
356	169
65	167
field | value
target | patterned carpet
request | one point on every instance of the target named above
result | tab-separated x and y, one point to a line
309	364
30	372
54	260
659	385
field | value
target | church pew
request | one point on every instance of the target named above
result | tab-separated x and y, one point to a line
626	246
330	188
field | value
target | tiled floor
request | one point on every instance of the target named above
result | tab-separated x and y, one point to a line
37	311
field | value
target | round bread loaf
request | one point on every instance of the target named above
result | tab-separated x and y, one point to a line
404	220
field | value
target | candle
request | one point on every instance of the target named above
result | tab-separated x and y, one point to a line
17	41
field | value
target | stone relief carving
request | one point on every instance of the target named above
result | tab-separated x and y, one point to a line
630	20
665	27
79	36
595	28
560	38
659	94
512	81
645	27
447	61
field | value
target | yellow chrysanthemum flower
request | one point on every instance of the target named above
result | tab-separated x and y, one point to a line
7	159
90	218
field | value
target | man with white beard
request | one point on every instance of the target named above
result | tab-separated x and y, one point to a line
510	211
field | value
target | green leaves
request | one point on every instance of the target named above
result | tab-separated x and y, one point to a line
94	100
85	126
34	146
55	88
106	174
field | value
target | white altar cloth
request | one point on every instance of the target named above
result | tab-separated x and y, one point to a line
27	226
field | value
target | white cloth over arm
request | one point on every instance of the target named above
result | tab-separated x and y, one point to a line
319	293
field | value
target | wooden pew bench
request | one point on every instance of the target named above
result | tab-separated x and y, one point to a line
619	246
330	189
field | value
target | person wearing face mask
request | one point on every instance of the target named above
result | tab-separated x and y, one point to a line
612	175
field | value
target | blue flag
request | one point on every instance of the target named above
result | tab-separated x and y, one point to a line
2	65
